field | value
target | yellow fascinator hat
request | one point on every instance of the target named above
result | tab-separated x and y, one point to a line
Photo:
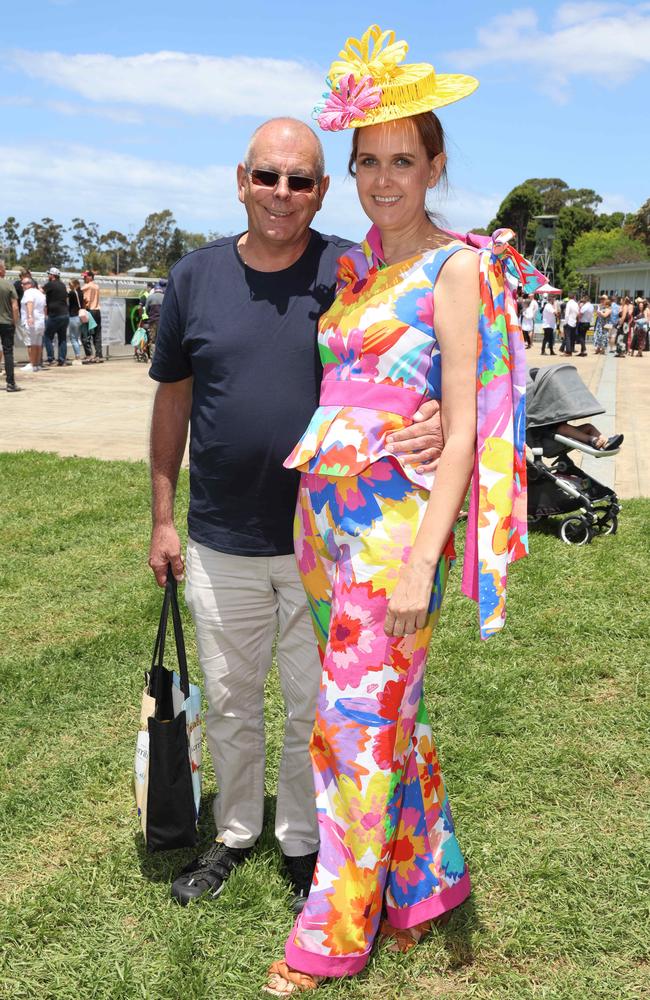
369	85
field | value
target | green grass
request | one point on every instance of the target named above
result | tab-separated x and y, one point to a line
543	734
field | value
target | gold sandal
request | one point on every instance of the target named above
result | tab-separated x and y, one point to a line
284	982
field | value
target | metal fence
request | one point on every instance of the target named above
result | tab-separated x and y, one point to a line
119	284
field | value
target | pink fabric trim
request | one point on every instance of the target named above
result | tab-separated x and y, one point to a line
373	239
370	396
322	965
430	908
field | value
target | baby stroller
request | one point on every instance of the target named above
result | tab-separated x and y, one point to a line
555	395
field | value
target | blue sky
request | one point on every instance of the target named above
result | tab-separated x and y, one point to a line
114	111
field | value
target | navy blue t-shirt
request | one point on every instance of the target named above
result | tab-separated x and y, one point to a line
249	339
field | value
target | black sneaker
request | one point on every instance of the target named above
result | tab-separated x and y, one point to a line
207	874
12	387
301	873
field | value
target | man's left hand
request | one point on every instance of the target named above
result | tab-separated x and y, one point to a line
420	444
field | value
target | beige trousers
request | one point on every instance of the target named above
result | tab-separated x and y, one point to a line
238	604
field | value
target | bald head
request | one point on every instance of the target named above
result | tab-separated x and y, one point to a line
292	129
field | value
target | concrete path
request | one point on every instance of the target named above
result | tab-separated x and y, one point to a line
104	411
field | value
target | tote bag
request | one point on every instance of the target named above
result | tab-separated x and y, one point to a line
167	771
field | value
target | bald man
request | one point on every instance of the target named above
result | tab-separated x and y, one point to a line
237	361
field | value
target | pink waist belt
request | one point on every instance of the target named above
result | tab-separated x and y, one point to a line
370	396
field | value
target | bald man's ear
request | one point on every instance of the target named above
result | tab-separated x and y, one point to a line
241	181
322	191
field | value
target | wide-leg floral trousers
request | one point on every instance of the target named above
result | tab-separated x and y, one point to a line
386	831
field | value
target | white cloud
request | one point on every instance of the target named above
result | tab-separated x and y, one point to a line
576	13
119	190
115	189
613	202
194	84
123	116
608	42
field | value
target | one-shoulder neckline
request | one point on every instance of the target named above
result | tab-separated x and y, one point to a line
383	265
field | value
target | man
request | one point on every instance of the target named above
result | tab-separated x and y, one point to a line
152	307
90	293
58	316
570	322
585	317
32	319
236	358
549	320
528	320
8	324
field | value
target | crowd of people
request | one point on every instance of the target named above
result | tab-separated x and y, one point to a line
49	319
620	324
47	316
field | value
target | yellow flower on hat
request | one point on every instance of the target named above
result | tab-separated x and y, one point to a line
377	62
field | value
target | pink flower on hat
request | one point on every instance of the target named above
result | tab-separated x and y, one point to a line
350	100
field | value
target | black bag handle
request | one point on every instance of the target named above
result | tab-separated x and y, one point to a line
170	600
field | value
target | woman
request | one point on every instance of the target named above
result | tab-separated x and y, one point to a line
374	539
641	324
603	314
625	326
32	320
75	303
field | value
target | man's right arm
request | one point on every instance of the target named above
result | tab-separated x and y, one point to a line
169	426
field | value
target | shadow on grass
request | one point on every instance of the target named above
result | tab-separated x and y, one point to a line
163	866
458	933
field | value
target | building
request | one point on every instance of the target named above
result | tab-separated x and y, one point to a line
618	279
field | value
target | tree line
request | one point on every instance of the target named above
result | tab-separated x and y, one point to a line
39	245
583	236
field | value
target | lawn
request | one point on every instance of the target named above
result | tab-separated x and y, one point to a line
543	734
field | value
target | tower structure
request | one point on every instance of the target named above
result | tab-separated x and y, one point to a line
543	253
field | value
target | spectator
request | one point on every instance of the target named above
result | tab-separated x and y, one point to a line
624	326
528	320
75	303
32	320
614	322
8	324
91	303
570	323
603	321
152	308
18	284
56	324
641	324
549	322
585	317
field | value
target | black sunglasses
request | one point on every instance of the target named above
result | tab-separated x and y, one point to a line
270	178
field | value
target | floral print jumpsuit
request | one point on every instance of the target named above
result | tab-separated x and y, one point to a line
386	829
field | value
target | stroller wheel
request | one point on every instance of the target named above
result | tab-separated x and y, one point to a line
608	525
575	531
